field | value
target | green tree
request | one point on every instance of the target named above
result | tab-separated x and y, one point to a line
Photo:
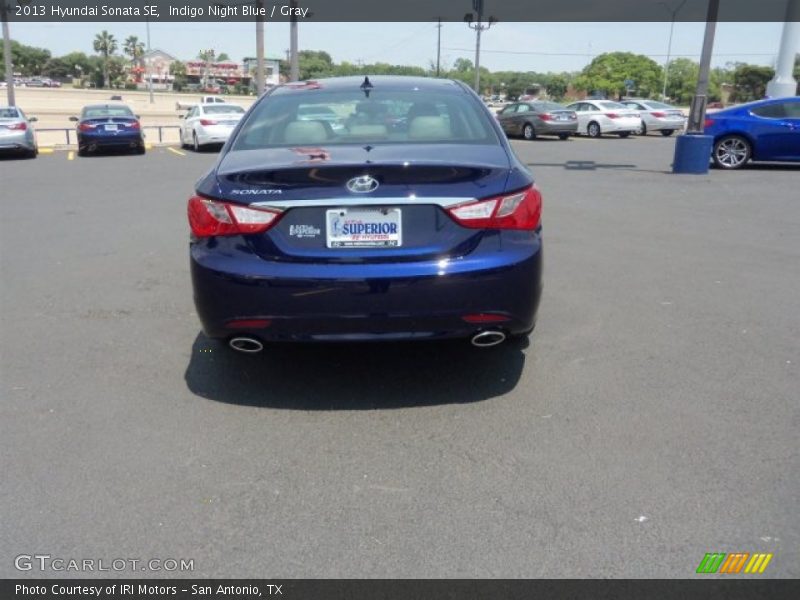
57	68
223	57
106	45
750	81
557	87
608	72
682	82
178	70
27	60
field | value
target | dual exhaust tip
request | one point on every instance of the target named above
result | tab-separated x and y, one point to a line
482	339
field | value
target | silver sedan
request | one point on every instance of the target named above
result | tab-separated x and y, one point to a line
209	124
657	116
16	132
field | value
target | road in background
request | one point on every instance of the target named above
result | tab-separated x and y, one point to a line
653	418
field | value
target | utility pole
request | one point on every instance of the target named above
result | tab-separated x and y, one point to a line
474	20
784	84
697	115
674	14
259	48
438	45
693	150
147	65
294	59
7	55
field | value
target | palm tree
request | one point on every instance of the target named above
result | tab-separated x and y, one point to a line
133	48
106	44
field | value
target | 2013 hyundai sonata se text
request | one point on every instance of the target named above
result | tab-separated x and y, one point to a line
406	217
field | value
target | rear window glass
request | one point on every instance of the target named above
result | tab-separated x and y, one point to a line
611	105
548	106
8	113
93	112
221	110
349	117
654	104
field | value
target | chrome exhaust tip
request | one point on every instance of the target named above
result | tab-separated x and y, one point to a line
487	339
247	345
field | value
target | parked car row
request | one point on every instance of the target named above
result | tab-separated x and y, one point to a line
593	118
766	130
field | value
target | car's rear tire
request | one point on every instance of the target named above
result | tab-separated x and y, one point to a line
563	136
667	132
593	130
195	144
624	134
731	152
642	129
32	153
528	132
141	149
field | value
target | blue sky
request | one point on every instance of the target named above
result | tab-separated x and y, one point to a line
506	46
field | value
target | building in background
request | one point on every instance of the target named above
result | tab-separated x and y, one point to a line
156	64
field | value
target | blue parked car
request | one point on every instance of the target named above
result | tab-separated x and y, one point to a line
108	126
370	231
767	130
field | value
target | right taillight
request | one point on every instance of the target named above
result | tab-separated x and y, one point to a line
520	210
207	122
708	123
209	218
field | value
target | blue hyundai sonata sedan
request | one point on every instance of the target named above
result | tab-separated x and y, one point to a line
407	217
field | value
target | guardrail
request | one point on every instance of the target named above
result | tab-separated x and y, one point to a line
68	130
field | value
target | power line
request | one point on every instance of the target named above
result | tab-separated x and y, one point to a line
583	54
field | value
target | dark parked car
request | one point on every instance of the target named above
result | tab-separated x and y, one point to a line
531	119
767	130
303	232
108	126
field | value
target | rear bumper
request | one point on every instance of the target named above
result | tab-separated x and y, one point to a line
20	141
356	302
129	140
213	135
621	125
555	127
665	124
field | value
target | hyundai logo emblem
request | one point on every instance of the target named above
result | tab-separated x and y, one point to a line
363	184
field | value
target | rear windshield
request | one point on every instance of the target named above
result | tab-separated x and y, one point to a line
8	113
349	117
222	109
548	106
609	105
654	104
93	112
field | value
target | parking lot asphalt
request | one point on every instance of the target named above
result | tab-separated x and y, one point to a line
652	418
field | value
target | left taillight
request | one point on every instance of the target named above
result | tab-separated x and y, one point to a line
209	218
520	210
21	126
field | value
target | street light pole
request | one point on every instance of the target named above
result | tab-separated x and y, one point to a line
438	44
478	25
9	65
259	48
294	59
147	66
674	14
